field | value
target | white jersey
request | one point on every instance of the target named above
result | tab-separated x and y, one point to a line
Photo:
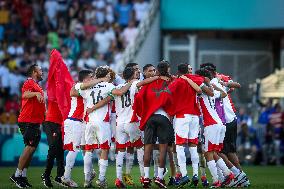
95	94
123	104
228	107
207	104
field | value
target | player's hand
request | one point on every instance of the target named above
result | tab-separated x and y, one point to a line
185	78
39	97
90	110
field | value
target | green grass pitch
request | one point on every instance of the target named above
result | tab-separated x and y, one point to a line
260	176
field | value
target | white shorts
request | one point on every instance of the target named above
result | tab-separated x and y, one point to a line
212	137
98	135
222	135
113	124
74	134
128	135
186	129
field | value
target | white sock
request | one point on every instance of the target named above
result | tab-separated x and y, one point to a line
176	162
129	162
147	172
88	165
213	170
194	159
160	172
24	173
119	164
235	170
220	174
156	155
102	169
18	173
140	157
221	164
70	161
181	159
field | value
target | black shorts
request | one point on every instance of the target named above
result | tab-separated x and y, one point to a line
31	133
158	126
230	139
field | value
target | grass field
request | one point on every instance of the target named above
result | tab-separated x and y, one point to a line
260	176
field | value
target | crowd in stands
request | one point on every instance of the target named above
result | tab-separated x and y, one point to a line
88	33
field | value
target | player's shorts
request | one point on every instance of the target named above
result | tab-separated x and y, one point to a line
31	133
222	136
212	137
128	135
74	134
158	126
113	125
98	135
186	129
230	138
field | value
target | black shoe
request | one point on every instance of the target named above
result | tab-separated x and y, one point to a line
46	181
172	181
25	179
58	181
18	181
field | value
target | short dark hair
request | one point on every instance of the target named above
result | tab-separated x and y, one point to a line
31	69
204	72
147	66
131	64
163	67
128	72
208	66
101	72
183	68
83	74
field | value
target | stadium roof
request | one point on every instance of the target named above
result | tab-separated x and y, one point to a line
272	86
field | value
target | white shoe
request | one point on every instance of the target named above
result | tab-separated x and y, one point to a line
102	184
88	184
240	178
69	182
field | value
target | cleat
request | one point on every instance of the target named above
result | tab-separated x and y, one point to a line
146	183
102	184
46	181
160	182
178	177
204	181
128	179
238	179
26	181
119	183
194	181
172	181
59	182
244	183
141	179
69	182
88	184
183	181
216	184
18	181
228	179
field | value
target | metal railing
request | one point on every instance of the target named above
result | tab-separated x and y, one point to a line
132	49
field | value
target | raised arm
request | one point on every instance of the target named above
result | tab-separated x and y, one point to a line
223	93
146	81
192	84
122	90
100	104
234	85
91	83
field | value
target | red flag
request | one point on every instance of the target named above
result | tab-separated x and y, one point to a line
150	98
59	84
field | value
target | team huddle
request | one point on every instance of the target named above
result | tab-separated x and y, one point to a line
159	116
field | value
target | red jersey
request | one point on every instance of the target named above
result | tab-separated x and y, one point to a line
32	111
77	110
53	113
184	98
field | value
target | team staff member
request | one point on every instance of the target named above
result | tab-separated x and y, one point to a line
29	120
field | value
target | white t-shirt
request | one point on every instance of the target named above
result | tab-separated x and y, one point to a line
86	63
228	107
18	50
141	10
93	95
51	8
104	41
14	82
129	35
4	76
123	104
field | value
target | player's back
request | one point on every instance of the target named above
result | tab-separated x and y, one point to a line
123	104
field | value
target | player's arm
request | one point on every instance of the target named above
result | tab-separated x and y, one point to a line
30	94
100	104
122	90
192	84
232	84
74	92
91	83
223	94
146	81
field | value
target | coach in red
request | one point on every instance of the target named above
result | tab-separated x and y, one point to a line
30	118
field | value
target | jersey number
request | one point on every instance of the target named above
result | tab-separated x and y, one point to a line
127	101
97	98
